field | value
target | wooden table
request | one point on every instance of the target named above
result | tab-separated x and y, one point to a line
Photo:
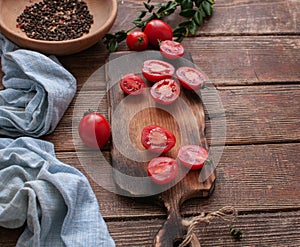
251	52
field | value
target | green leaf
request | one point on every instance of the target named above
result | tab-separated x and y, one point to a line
178	31
187	13
179	39
187	4
149	7
138	23
185	23
179	1
193	28
112	45
202	12
207	8
198	3
121	35
142	14
198	18
109	36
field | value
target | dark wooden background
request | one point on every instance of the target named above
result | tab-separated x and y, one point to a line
250	49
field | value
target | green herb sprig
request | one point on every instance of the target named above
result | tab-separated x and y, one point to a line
236	233
194	11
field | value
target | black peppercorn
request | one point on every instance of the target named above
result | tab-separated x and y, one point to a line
55	20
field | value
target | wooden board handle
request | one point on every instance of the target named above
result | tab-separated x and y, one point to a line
172	231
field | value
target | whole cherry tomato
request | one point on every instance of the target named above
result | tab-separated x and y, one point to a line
94	130
171	49
156	70
137	41
158	30
132	84
192	156
162	170
190	78
157	139
165	91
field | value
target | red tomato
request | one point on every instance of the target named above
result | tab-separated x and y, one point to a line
132	84
190	78
157	139
171	49
192	156
156	70
137	41
162	170
157	31
165	91
94	130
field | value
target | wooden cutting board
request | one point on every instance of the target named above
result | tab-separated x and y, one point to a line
128	116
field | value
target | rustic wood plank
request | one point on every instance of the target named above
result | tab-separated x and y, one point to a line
254	114
270	229
226	60
264	229
231	17
250	178
262	114
247	60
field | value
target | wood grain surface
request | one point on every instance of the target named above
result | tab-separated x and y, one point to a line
250	50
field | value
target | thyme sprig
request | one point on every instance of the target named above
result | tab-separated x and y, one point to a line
194	12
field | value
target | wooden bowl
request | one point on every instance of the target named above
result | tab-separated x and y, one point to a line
104	13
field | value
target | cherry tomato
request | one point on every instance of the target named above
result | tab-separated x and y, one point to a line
192	156
171	49
156	70
132	84
94	130
137	41
162	170
157	139
157	31
165	91
190	78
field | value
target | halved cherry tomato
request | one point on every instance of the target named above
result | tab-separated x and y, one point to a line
190	78
171	49
157	139
192	156
156	70
132	84
137	41
157	31
165	91
162	170
94	130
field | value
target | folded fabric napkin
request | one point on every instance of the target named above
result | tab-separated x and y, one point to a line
37	91
54	199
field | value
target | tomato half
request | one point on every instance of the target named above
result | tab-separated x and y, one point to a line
171	49
162	170
190	78
94	130
165	91
157	139
157	31
132	84
137	41
156	70
192	156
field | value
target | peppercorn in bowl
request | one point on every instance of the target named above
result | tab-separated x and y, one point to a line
57	27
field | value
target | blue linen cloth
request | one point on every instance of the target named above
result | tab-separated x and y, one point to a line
54	199
37	91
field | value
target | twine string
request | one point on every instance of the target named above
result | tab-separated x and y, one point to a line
226	213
